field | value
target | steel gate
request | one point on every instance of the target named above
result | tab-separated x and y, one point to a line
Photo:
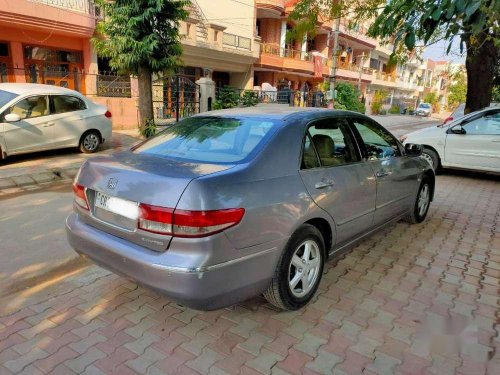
175	97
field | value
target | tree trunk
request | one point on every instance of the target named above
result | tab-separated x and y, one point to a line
480	65
145	96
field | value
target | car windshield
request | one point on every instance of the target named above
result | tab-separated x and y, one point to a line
5	97
424	105
210	139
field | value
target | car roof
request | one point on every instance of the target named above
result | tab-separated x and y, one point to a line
35	88
278	112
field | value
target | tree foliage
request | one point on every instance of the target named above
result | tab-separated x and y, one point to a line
415	23
458	89
348	97
140	33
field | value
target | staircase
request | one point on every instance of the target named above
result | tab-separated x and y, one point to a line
201	27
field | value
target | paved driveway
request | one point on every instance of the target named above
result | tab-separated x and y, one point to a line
409	300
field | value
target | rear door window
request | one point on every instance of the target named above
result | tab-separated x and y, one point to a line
210	139
66	103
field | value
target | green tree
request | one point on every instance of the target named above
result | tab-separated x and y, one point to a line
458	89
348	97
414	23
141	37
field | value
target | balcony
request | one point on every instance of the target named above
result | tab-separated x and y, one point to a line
270	8
285	58
63	17
383	79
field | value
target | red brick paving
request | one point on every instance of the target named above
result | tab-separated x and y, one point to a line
413	299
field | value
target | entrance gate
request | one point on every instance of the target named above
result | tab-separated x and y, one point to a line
175	97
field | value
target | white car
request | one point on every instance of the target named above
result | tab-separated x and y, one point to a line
470	142
423	109
41	117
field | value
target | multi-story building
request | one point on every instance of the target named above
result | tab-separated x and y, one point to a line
46	41
220	41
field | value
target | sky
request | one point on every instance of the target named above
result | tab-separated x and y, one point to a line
437	51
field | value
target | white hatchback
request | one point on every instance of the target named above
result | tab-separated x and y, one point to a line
469	142
37	117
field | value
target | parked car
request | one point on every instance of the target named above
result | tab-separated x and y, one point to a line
229	204
37	117
423	109
470	142
460	111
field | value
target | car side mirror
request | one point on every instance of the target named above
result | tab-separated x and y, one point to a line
458	130
12	117
413	149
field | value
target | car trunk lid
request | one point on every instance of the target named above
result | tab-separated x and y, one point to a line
130	179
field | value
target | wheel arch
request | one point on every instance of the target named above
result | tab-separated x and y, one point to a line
325	229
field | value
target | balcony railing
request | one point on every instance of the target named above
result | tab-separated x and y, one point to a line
382	76
237	41
276	50
83	6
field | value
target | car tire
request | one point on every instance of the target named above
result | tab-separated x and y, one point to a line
285	292
422	202
432	157
90	141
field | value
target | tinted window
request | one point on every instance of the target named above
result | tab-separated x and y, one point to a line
34	106
5	97
63	103
333	142
309	156
425	105
487	125
379	143
209	139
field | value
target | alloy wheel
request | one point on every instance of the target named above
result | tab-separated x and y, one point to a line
429	159
304	268
423	200
91	142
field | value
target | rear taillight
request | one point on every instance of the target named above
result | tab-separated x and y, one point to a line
107	114
80	198
181	223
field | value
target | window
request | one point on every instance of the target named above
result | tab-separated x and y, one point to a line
379	143
332	142
309	156
63	103
210	139
487	125
34	106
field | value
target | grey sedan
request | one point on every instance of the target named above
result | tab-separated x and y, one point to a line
227	205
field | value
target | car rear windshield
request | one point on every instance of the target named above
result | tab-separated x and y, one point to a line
210	139
5	97
425	105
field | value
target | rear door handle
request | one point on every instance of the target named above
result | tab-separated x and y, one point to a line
382	174
324	184
48	124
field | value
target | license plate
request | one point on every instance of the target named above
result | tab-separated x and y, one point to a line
116	205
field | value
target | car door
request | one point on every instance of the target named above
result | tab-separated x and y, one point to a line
69	119
395	173
33	131
336	177
475	143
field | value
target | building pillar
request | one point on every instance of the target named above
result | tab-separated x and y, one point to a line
90	69
283	38
207	93
392	97
303	49
16	49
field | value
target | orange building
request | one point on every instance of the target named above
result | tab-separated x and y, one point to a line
47	41
307	62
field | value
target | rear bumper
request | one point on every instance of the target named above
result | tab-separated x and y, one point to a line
205	287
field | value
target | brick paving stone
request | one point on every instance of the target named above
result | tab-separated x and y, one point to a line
145	360
383	364
18	364
138	346
310	344
254	343
324	362
198	343
47	364
79	363
172	363
22	180
294	362
205	361
83	345
265	361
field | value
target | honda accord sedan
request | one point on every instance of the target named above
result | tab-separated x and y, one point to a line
230	204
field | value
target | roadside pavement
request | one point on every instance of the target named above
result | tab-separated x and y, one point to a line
23	172
411	299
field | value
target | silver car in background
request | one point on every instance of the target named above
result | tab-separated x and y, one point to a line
37	117
229	204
